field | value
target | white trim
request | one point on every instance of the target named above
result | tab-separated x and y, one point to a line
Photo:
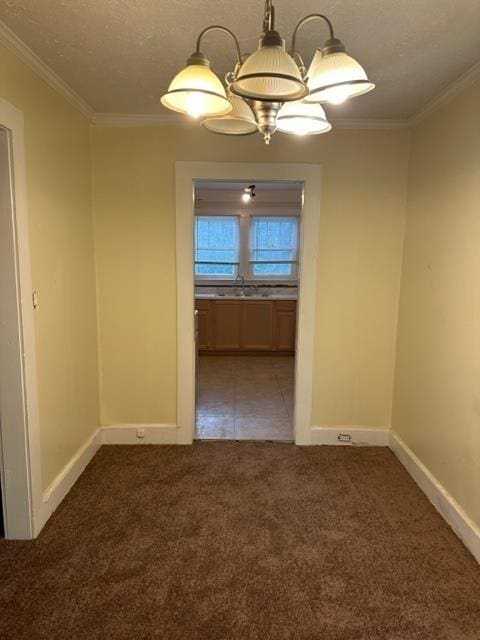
108	435
185	174
20	429
447	94
68	476
450	92
158	434
360	436
12	42
128	434
164	434
184	232
443	502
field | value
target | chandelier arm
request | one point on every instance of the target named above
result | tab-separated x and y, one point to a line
218	27
310	18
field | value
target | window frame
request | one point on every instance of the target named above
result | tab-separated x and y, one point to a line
273	278
244	266
211	277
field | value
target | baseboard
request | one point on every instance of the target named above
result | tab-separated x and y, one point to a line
113	434
131	434
58	489
443	502
353	436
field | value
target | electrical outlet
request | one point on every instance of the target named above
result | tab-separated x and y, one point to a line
140	432
344	437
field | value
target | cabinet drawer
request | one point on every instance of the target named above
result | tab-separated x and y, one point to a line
203	305
286	305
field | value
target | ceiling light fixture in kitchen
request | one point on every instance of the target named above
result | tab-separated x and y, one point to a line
249	193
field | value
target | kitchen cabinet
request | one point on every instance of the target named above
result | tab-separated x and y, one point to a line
257	325
227	325
285	325
246	325
204	324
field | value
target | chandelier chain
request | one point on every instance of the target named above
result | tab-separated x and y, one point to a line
269	17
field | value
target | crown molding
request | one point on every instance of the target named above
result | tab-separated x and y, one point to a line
451	91
28	57
12	42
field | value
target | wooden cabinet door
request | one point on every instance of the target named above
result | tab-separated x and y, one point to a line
204	324
226	325
257	325
204	320
285	325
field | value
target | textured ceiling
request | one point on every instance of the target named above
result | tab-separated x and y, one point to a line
120	55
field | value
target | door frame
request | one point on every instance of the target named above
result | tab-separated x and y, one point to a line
19	418
186	173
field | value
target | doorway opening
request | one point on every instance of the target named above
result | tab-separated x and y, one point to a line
5	211
246	273
186	175
20	472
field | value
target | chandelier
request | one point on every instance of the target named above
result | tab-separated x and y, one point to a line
270	89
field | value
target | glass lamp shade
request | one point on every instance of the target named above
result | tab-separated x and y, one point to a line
335	77
197	91
270	73
239	122
302	118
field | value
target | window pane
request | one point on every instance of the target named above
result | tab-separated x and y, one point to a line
215	269
274	246
266	269
217	241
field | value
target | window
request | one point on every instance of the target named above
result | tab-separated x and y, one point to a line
258	247
273	246
217	246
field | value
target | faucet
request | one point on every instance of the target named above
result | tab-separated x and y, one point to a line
240	279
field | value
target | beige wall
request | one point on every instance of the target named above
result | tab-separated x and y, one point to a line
437	390
361	238
58	163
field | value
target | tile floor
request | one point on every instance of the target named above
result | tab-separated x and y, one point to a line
245	398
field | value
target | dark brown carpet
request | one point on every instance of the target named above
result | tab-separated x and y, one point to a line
245	541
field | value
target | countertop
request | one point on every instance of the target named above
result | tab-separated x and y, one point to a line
257	296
